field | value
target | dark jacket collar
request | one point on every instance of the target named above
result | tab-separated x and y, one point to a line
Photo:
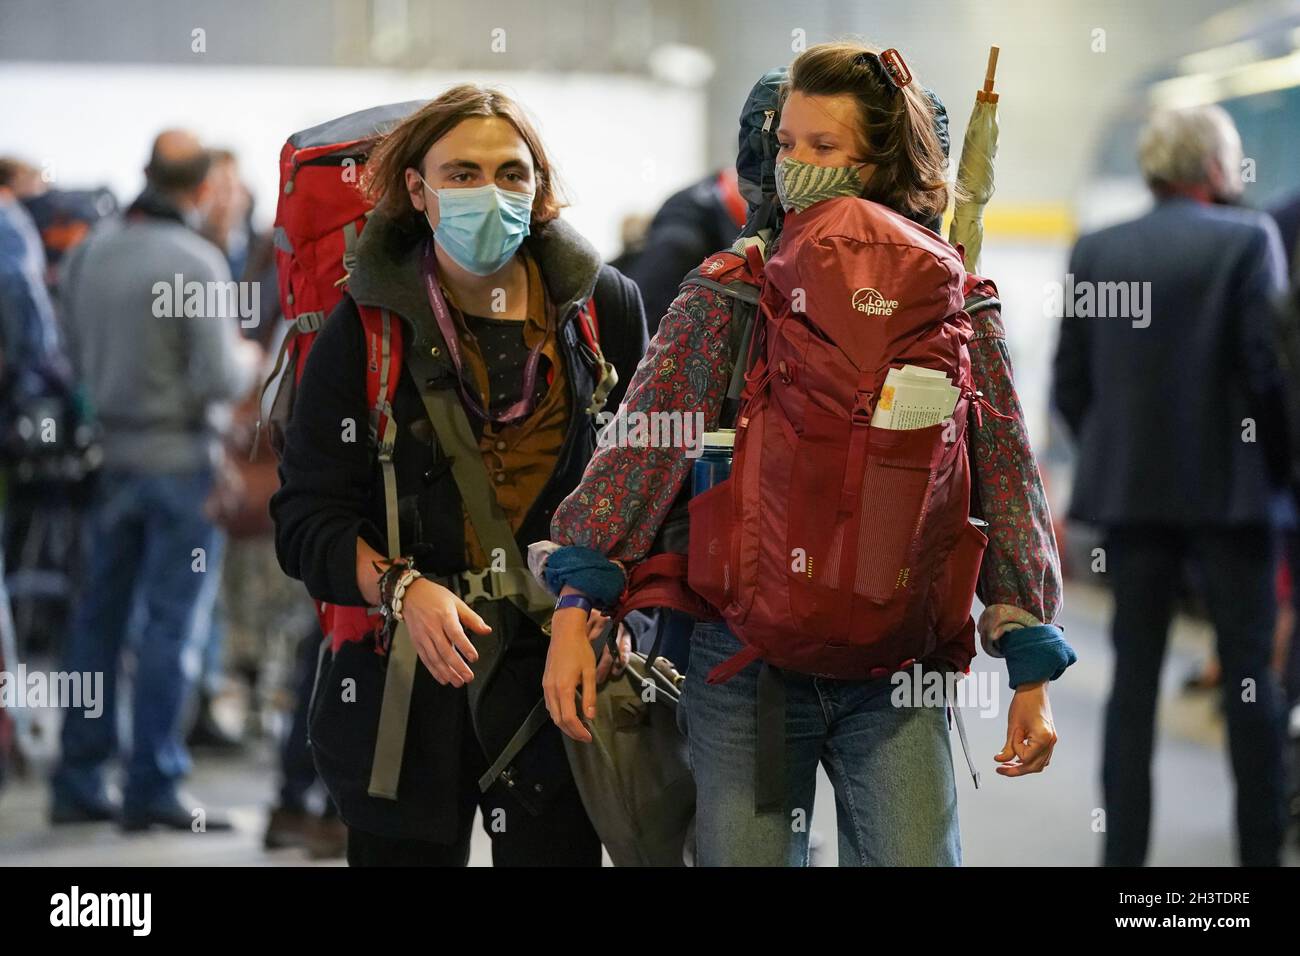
387	270
152	204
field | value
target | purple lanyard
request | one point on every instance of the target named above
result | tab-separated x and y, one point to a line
519	409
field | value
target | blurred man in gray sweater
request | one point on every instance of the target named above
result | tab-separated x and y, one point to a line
151	318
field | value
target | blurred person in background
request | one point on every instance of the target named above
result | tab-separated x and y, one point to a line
158	381
64	218
292	821
34	360
631	232
1287	216
23	180
1177	415
253	591
264	628
691	224
49	444
226	211
1286	661
33	367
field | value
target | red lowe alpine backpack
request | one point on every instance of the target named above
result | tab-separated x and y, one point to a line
837	548
320	214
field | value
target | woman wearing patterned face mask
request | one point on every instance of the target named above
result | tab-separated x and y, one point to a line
858	171
491	430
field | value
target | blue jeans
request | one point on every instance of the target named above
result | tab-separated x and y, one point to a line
891	767
141	534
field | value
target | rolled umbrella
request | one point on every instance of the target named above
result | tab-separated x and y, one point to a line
975	170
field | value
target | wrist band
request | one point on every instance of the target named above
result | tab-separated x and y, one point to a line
388	576
409	577
1036	654
574	600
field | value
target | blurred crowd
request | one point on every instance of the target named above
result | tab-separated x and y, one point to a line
136	529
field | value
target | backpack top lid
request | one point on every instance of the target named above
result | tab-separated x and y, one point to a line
756	157
887	258
363	124
940	121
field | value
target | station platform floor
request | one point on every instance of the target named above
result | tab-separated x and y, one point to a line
1042	820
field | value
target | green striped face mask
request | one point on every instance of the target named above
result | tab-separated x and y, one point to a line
800	185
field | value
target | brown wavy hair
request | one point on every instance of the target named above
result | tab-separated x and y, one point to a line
897	126
404	146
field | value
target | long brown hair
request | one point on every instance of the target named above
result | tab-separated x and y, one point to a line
897	126
403	147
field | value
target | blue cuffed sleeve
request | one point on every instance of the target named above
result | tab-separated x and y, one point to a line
1035	654
587	570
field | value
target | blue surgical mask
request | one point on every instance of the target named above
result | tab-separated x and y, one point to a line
482	227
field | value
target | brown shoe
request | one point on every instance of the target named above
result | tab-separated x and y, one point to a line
287	828
327	839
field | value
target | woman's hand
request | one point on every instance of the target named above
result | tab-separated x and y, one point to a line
1031	735
436	619
570	662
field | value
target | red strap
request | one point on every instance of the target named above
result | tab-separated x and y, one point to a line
660	581
342	624
974	282
372	323
301	156
732	665
588	327
755	260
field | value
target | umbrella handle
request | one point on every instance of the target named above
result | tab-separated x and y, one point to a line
987	95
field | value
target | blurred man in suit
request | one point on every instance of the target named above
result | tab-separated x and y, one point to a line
1175	401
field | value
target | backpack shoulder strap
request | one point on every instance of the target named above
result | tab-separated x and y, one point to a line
384	347
603	371
383	355
588	324
736	276
739	279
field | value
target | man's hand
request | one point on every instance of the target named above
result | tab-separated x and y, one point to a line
1031	735
436	619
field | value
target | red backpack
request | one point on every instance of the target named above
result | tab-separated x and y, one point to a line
837	548
321	213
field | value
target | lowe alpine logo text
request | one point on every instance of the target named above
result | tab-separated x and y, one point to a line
871	302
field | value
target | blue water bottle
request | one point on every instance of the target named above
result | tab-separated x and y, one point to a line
714	464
